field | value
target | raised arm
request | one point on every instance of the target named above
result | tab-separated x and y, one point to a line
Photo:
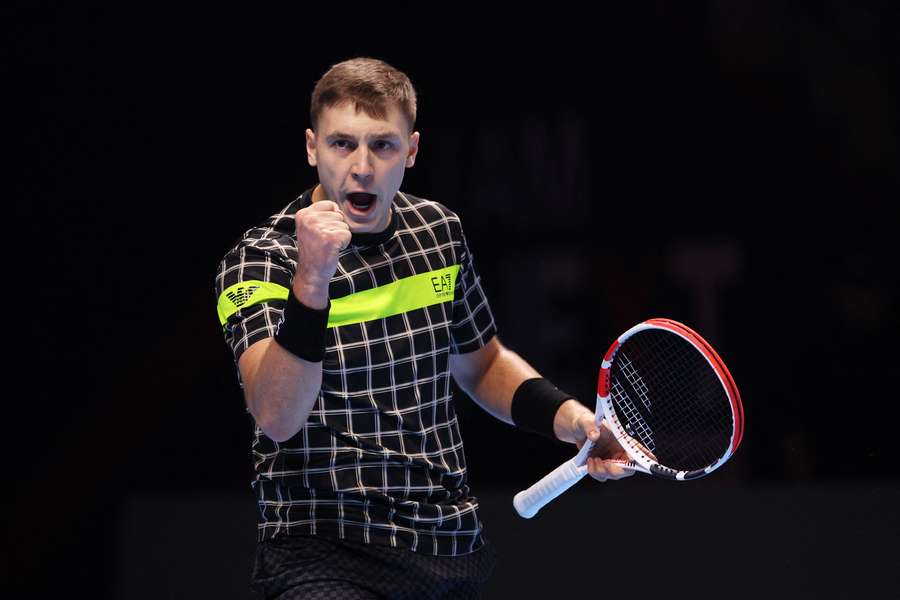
282	375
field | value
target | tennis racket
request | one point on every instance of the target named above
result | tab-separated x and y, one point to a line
670	402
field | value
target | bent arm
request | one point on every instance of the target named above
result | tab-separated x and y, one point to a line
281	388
491	375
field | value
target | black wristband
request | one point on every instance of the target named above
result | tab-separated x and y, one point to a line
302	329
534	406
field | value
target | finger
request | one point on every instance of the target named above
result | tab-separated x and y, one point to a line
596	469
615	470
334	224
313	220
317	228
618	471
329	216
336	234
345	238
587	427
604	470
323	206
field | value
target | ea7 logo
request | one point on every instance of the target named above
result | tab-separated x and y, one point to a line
443	285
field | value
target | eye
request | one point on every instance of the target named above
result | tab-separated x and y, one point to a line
382	145
342	144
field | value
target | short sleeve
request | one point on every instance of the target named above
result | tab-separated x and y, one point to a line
252	285
473	322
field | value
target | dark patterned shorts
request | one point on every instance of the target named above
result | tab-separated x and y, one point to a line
318	567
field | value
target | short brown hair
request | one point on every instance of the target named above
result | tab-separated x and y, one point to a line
370	84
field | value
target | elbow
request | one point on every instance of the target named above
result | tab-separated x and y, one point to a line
470	370
279	435
464	384
276	426
276	429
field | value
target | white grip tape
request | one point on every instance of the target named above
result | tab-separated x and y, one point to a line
529	501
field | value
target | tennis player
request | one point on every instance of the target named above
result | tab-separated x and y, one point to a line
348	312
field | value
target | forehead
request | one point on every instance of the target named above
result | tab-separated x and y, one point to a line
345	118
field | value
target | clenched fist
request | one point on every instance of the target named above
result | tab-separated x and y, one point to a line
322	233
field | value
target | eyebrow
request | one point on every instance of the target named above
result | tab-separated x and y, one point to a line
377	135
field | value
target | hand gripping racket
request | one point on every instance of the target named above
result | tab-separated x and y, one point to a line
670	402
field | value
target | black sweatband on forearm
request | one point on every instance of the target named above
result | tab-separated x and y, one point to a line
302	329
534	406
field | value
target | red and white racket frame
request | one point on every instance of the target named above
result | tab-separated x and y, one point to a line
528	502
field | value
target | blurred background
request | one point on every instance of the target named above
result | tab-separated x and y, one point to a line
732	165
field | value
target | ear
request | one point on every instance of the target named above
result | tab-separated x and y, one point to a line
413	149
311	147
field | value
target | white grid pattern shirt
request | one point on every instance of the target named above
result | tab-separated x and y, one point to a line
380	459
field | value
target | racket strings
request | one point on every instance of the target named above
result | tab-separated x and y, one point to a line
636	381
634	422
668	397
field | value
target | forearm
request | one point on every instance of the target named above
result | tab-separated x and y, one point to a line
494	390
283	375
280	388
493	374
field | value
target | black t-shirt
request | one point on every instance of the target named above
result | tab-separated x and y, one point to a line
380	459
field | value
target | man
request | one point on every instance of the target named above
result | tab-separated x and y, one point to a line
348	312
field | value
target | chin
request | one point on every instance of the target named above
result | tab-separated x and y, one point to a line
357	228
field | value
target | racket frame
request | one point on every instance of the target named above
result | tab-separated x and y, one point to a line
528	502
640	459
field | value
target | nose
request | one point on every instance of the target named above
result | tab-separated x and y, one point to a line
361	168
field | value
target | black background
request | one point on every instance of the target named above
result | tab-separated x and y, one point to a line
599	160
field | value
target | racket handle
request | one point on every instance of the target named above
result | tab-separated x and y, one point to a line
529	501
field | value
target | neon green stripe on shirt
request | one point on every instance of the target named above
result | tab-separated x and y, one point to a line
247	293
403	295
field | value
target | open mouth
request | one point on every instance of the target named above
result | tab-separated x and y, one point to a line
361	201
